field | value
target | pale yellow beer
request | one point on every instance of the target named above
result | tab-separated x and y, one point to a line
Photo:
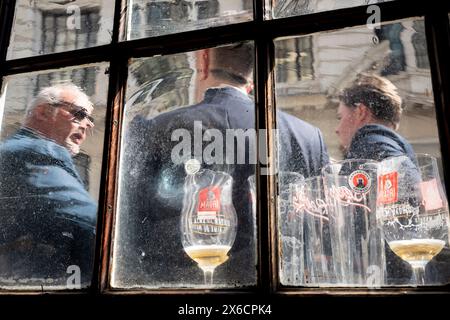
416	250
208	256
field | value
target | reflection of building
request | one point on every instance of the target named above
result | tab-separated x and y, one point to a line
157	17
311	70
157	84
59	25
286	8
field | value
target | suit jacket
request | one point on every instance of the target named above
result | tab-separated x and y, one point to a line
151	191
47	217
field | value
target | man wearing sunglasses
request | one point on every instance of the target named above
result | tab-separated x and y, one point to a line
65	119
47	217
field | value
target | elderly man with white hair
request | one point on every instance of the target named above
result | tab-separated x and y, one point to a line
47	217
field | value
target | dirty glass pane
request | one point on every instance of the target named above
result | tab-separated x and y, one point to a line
288	8
364	94
50	164
188	152
149	18
49	26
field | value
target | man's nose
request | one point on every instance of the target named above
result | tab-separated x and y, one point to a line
86	124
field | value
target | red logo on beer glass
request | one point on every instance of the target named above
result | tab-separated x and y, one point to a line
388	188
209	203
359	181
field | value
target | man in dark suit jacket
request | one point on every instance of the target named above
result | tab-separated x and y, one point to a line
153	175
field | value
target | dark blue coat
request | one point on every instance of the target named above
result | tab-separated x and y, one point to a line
47	218
378	142
152	189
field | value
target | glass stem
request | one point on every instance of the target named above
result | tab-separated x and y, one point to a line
419	275
208	275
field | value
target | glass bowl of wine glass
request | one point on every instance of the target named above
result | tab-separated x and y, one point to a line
413	210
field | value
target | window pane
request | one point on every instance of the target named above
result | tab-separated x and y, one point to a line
289	8
42	27
149	18
189	128
50	166
367	79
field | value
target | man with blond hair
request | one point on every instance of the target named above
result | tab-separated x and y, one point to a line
369	116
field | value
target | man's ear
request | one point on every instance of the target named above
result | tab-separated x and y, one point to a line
363	114
203	64
42	112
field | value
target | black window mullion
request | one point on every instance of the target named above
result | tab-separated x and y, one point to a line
266	190
258	10
438	40
265	119
118	71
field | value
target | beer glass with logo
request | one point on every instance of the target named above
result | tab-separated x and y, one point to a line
356	239
208	220
413	209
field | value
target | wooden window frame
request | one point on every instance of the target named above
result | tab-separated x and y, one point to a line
262	32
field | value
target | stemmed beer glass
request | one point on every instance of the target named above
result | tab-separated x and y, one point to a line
413	210
208	221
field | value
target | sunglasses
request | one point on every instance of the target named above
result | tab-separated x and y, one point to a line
81	114
78	113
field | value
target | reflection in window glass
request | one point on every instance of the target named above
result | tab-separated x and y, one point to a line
188	153
50	166
289	8
158	17
42	27
378	84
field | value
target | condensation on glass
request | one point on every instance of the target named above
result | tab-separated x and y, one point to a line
311	72
50	165
147	18
43	27
188	120
288	8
